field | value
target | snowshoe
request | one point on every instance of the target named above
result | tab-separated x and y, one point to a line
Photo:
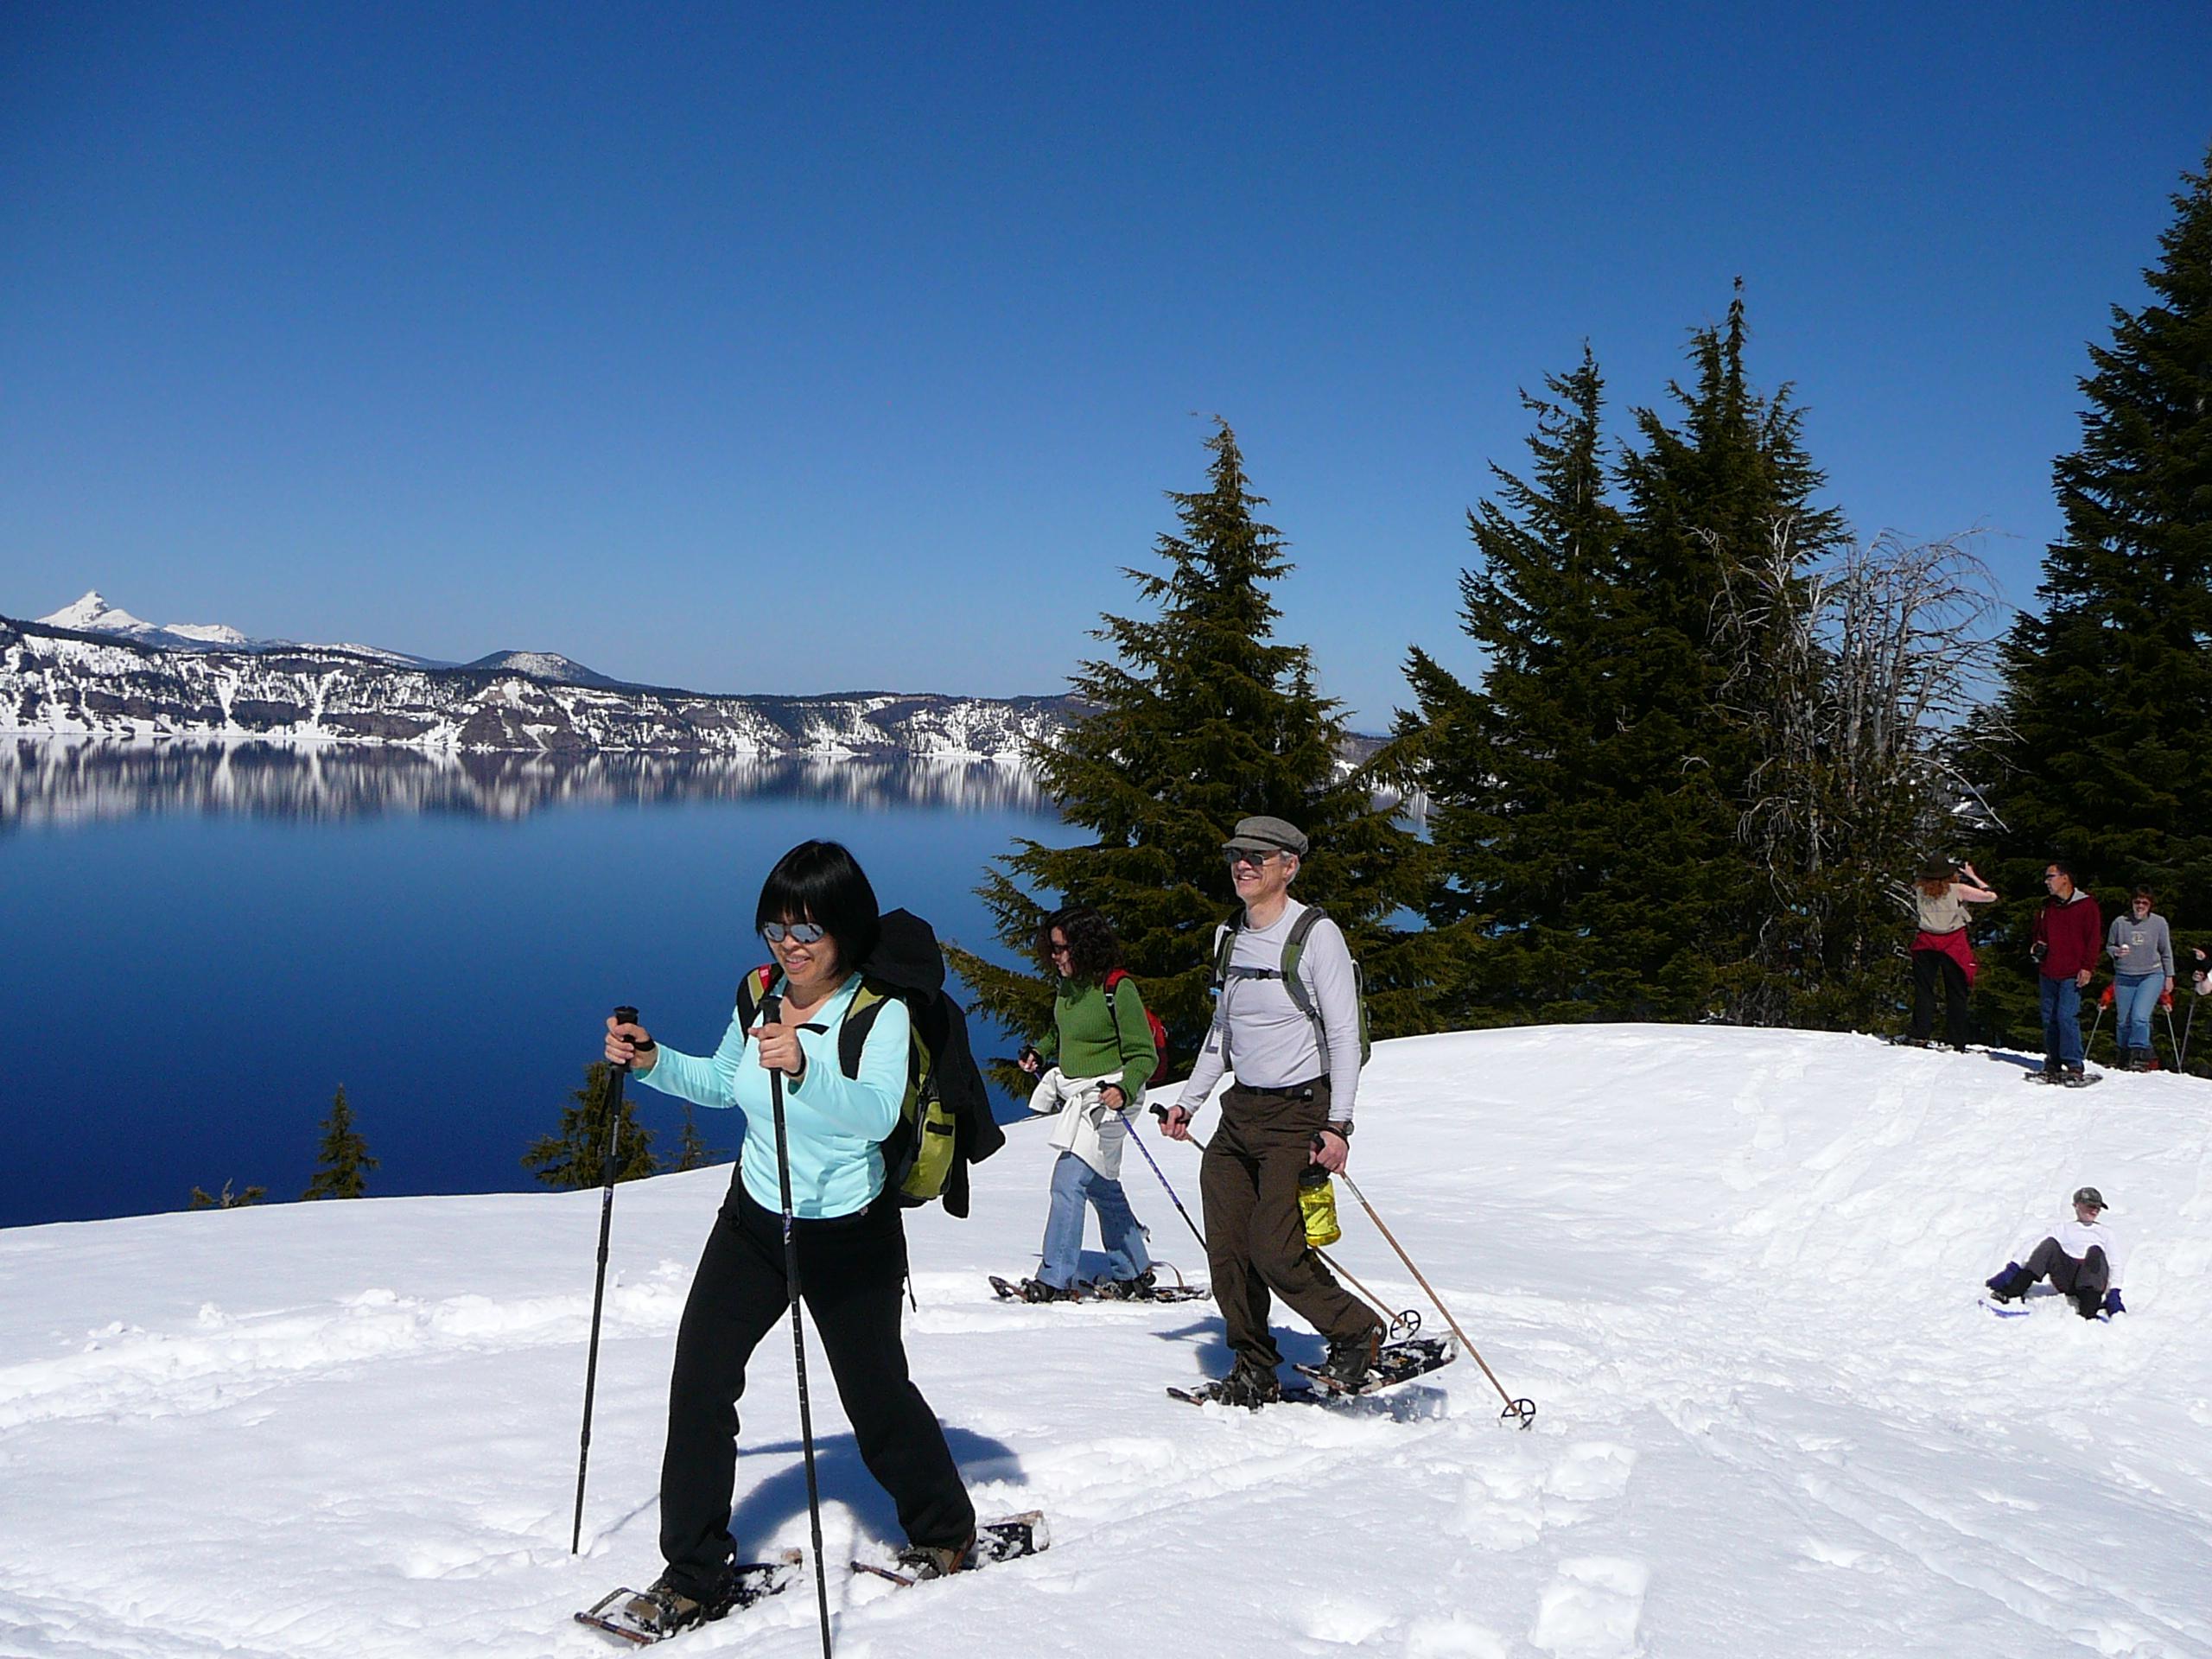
1248	1385
1351	1363
1004	1540
1031	1290
1394	1362
1144	1288
643	1616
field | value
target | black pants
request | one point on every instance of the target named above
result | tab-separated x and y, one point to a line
851	1271
1255	1234
1927	966
2067	1277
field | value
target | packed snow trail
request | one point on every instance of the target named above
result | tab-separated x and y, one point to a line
1736	1270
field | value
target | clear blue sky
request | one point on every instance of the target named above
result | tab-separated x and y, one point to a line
731	348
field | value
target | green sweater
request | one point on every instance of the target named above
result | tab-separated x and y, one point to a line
1090	1039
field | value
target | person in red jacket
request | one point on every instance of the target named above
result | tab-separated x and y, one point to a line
2068	933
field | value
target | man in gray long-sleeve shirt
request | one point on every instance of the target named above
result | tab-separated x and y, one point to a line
1290	1108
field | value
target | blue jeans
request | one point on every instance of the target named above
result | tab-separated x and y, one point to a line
1074	1184
2062	1022
2133	997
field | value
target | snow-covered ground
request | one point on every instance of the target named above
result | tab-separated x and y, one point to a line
1737	1270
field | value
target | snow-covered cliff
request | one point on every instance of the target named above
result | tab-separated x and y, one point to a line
62	681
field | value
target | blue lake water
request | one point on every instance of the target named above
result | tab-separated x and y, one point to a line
198	944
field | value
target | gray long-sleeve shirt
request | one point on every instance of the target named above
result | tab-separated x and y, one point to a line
1269	1044
2139	948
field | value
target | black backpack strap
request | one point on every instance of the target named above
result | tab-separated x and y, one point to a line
750	991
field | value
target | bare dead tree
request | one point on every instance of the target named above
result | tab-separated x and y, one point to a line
1852	679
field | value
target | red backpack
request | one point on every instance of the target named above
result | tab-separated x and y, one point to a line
1159	1031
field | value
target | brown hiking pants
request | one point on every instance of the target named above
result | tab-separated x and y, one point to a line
1255	1235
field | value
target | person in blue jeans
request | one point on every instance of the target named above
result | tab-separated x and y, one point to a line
2142	952
1105	1054
2064	946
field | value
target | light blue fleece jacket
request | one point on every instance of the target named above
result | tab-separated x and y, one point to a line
835	1124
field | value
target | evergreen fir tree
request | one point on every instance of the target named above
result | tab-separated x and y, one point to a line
1524	810
575	1156
1704	500
1202	717
2109	676
692	1151
1589	799
342	1161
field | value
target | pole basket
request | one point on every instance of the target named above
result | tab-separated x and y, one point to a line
1521	1412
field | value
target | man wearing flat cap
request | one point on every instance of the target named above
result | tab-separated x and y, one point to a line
2082	1260
1286	1021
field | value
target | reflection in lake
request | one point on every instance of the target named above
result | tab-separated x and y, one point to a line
58	782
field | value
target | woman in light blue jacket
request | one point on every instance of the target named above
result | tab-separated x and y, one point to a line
819	916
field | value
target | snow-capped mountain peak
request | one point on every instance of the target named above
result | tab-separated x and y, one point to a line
207	633
93	614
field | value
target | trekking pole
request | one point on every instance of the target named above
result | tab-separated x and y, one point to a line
1521	1410
2187	1025
1403	1323
1160	1112
771	1013
2097	1024
2166	1002
626	1016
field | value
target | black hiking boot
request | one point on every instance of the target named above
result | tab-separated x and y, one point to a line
1138	1289
1251	1385
2087	1303
1352	1359
1036	1290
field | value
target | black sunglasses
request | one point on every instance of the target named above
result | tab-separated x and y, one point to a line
1237	855
796	932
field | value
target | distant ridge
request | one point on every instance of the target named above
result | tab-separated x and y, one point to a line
549	665
123	678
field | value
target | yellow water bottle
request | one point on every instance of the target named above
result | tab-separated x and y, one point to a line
1317	1203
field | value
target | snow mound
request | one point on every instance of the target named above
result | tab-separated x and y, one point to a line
1737	1270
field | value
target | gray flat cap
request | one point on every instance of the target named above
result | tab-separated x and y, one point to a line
1265	835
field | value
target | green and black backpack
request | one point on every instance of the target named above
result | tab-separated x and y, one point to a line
944	1118
1224	947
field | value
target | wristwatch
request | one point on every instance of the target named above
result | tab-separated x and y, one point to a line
1342	1129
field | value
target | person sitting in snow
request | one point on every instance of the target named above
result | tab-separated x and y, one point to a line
1095	1062
2082	1260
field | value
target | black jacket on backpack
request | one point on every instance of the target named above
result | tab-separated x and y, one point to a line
907	961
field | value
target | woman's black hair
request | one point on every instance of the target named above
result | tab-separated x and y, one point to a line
820	882
1093	951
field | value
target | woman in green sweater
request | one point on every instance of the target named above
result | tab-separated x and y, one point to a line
1103	1045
